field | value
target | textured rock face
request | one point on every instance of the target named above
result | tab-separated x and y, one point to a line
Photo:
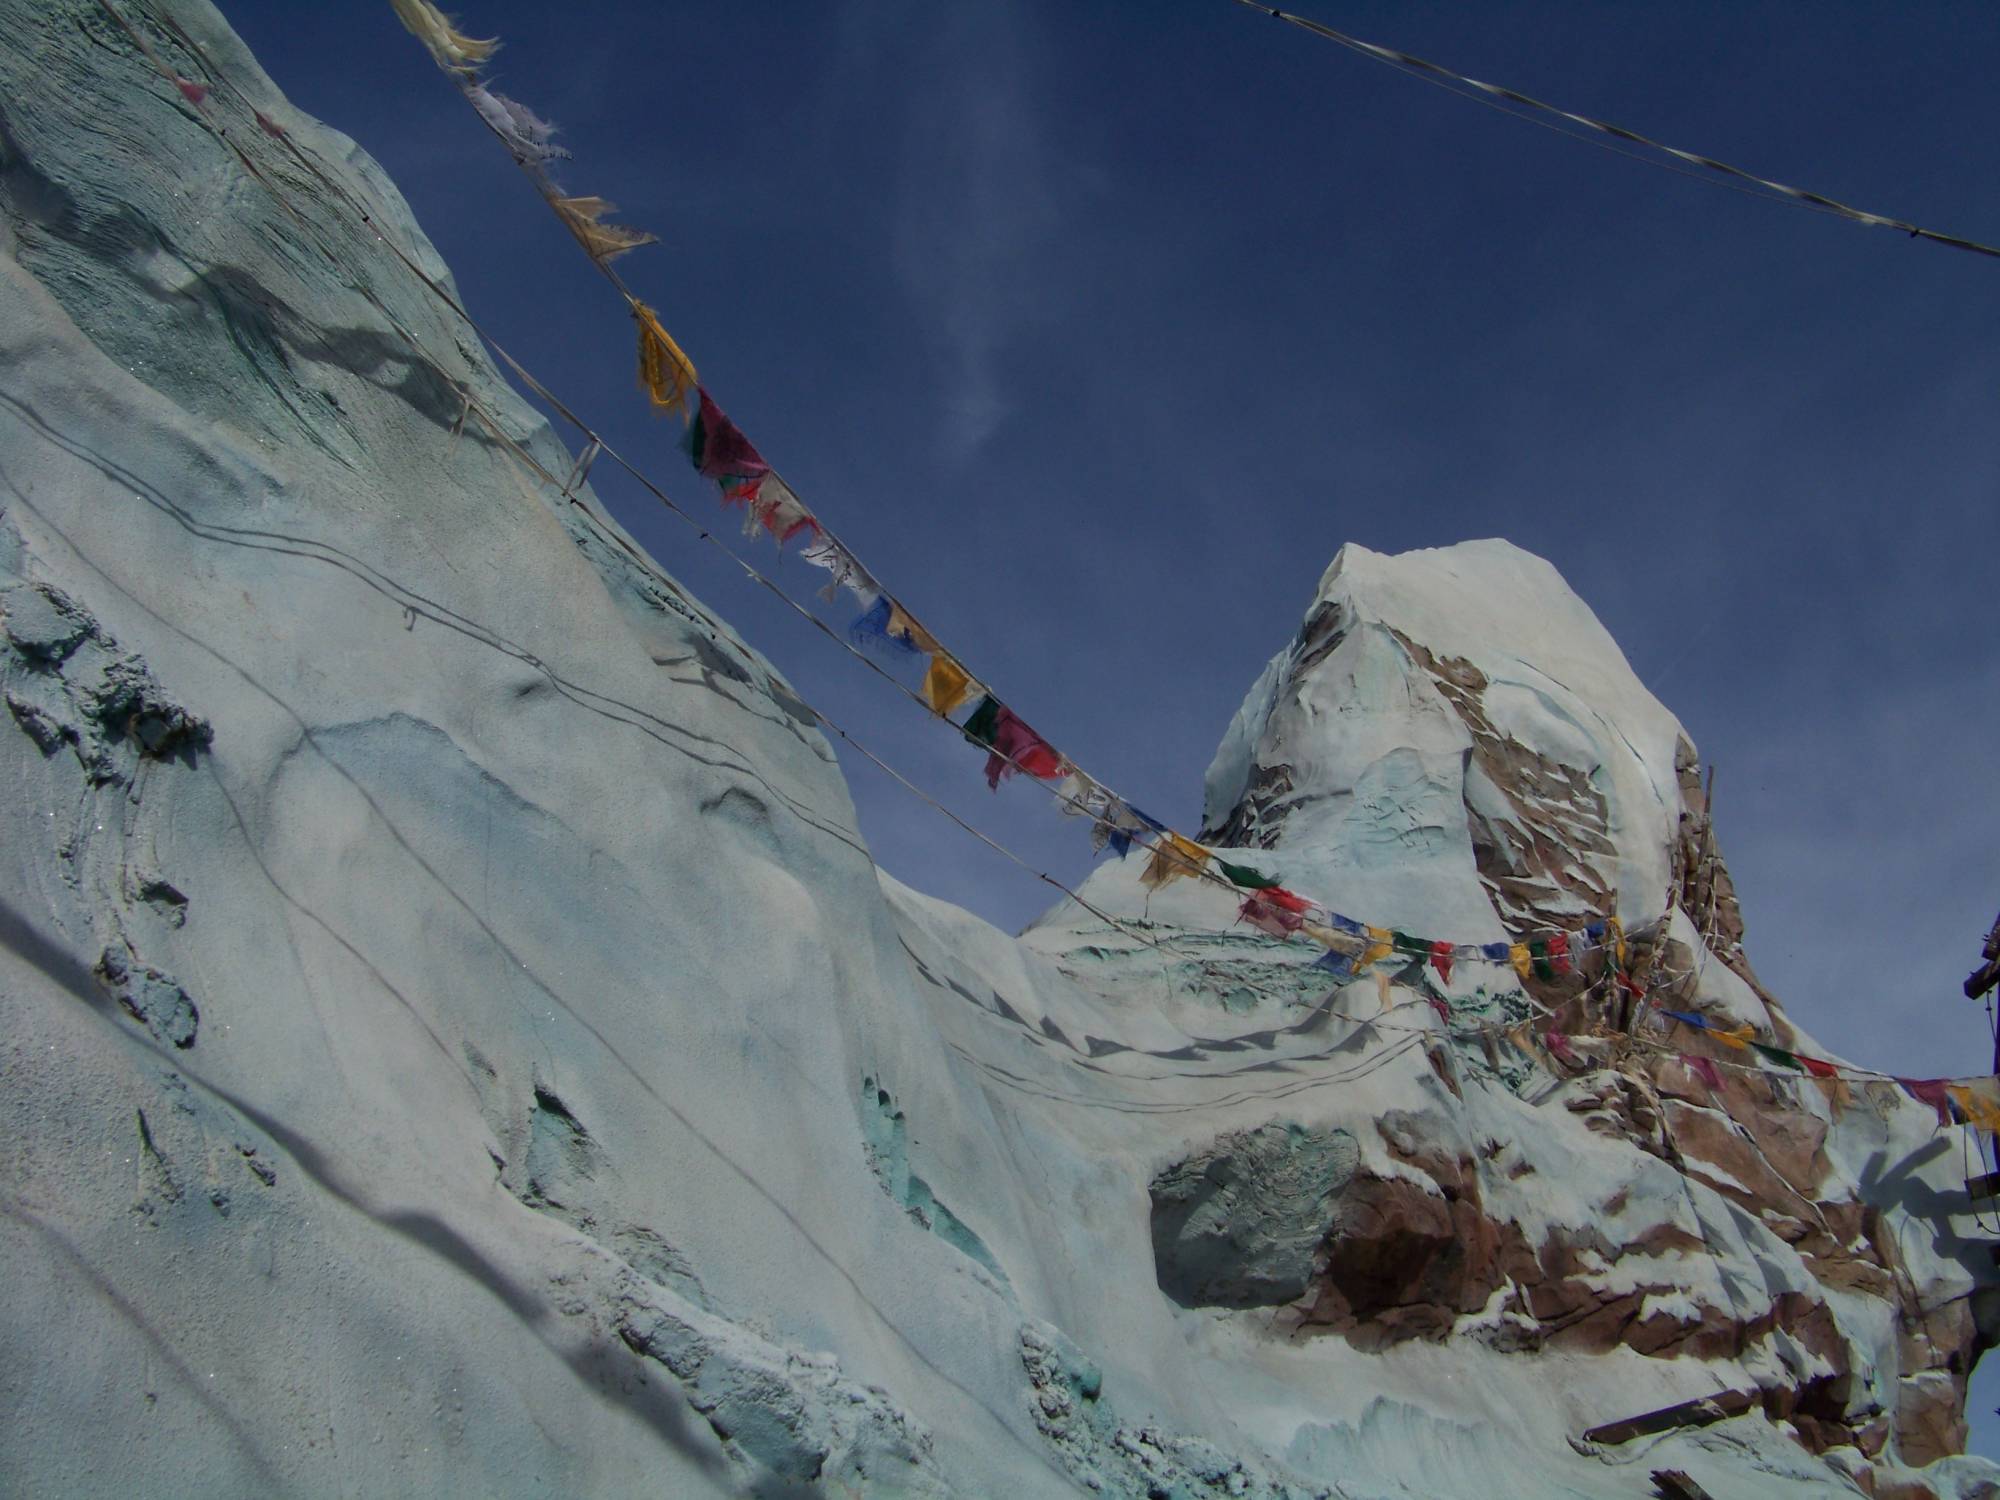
453	1039
1241	1223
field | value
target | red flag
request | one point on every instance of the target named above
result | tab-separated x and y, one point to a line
1277	895
1441	955
1559	952
1705	1069
1819	1067
1014	746
1265	917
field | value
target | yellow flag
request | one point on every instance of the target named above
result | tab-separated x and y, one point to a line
1617	937
1381	943
1340	942
1739	1039
1981	1102
902	627
452	50
1522	960
666	373
1174	858
603	242
946	684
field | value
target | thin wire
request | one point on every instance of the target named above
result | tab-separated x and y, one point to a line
1407	63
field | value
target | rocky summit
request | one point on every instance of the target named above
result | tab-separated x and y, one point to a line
457	1042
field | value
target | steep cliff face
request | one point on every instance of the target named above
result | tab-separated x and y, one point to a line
455	1040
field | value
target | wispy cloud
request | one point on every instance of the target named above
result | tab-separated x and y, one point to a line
975	208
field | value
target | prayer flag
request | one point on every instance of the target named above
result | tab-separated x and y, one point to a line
1559	1047
1017	747
1174	858
880	624
1277	895
1441	957
1930	1091
531	140
1538	951
719	448
1402	942
946	685
1340	965
1737	1039
1705	1069
1520	958
1617	938
1559	952
1979	1099
450	48
1819	1067
1114	829
1686	1018
1265	917
1499	953
978	729
1331	937
1343	924
1381	943
601	242
1777	1055
1248	879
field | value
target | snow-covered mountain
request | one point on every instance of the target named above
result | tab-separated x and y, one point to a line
456	1040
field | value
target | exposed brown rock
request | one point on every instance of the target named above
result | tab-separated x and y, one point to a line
1930	1418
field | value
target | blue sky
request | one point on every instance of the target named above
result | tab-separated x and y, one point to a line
1097	326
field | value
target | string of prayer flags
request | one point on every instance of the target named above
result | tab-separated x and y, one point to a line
1174	858
946	684
602	242
1244	877
1015	746
452	50
666	373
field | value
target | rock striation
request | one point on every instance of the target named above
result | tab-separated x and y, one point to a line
454	1040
